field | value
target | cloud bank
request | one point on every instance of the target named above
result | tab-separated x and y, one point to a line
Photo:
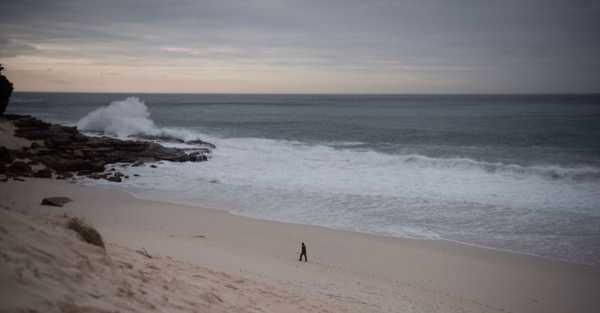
302	46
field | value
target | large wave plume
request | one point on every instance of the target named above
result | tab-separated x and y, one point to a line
129	117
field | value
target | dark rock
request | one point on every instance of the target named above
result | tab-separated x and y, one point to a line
20	168
163	138
59	136
200	143
78	154
197	157
56	201
43	173
21	153
34	162
86	173
65	149
71	165
153	166
32	133
115	179
6	156
64	175
28	122
136	175
6	89
92	175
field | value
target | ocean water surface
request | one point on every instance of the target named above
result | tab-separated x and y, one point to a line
520	173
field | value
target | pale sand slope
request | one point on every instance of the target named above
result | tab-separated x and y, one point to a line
8	139
46	268
356	272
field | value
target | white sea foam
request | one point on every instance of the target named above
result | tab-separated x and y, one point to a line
382	193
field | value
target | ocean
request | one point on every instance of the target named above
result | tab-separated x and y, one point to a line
511	172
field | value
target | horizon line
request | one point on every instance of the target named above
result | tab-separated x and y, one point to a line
330	93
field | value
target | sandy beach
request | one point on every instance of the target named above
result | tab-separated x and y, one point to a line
347	271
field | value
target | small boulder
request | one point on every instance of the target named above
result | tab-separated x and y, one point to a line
56	201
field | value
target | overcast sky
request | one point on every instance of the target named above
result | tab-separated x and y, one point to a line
416	46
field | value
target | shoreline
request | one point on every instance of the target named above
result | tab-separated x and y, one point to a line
382	235
358	270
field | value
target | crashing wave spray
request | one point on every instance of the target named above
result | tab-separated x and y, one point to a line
130	118
120	118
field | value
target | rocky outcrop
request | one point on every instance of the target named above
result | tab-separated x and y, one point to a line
165	138
66	151
6	89
56	201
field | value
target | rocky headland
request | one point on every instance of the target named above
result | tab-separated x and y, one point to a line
53	150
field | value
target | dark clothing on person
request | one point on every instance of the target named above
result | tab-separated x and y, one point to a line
303	253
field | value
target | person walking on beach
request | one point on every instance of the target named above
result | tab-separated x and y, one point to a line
303	253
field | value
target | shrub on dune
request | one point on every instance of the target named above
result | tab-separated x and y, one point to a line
86	232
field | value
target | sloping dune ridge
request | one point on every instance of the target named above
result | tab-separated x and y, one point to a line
46	268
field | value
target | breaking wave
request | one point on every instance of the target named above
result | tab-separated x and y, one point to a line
553	172
129	118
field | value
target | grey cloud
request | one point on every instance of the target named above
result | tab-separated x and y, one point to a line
11	48
546	38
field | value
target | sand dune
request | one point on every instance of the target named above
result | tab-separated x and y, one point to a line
46	268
